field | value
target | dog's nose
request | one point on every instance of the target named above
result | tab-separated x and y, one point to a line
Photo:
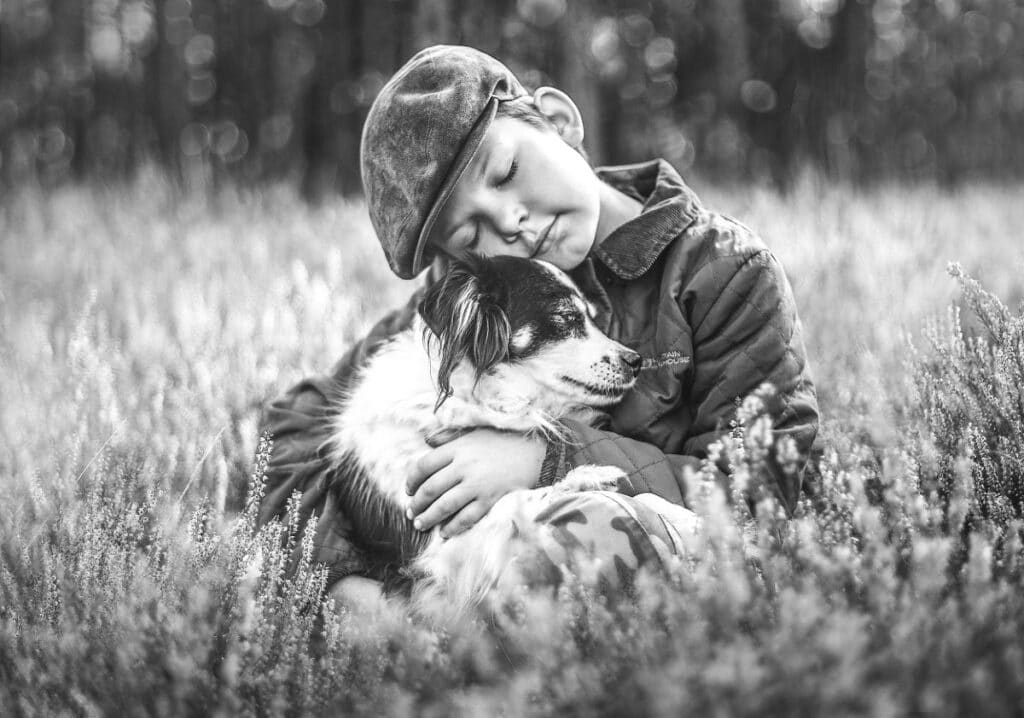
633	361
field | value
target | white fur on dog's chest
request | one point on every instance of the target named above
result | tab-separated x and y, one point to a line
390	411
388	414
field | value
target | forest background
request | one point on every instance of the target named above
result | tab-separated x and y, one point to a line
858	89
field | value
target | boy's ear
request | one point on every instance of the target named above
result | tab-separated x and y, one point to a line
559	108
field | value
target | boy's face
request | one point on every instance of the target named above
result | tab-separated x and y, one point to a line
526	193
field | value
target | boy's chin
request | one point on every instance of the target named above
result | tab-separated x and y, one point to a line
568	255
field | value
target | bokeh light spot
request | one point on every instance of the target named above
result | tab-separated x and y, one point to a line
660	55
194	139
106	47
604	40
758	95
200	88
229	142
661	91
815	31
637	29
308	12
137	23
199	50
541	13
275	132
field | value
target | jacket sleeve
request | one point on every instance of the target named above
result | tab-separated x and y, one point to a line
296	423
745	331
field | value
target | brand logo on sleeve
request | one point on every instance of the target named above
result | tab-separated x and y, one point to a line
666	359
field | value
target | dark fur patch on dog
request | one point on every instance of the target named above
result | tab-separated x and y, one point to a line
480	305
380	527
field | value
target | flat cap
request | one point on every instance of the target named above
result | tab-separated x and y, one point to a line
423	129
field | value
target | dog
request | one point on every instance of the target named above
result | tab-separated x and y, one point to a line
503	342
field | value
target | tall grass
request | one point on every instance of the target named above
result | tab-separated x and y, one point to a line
972	400
141	329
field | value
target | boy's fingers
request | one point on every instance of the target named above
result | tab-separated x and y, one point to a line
434	486
426	466
450	502
464	520
443	436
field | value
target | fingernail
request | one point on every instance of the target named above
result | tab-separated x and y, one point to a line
417	524
408	513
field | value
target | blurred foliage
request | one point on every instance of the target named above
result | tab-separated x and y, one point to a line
732	88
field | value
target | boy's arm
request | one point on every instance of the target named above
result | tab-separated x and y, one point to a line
745	332
296	424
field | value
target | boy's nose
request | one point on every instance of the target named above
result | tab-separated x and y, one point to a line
510	223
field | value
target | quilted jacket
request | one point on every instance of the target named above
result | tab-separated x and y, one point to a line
697	294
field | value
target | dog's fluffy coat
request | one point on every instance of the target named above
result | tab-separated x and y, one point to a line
504	343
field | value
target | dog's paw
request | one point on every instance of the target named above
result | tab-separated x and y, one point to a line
592	478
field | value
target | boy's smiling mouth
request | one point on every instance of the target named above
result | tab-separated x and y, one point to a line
544	237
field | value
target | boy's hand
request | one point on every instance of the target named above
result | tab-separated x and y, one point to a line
464	478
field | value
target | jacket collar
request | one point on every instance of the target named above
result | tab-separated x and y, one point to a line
669	207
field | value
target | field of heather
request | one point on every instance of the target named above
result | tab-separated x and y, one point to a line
142	327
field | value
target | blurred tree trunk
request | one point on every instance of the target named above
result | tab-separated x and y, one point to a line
824	72
578	76
256	83
228	42
167	90
352	112
153	77
433	23
478	24
67	53
853	34
312	115
379	37
732	67
771	49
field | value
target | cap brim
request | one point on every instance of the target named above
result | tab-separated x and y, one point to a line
462	160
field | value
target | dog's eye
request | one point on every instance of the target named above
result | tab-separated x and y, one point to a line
564	319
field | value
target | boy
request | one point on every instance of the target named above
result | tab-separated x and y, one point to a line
458	158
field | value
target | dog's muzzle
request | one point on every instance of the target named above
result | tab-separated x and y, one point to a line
632	361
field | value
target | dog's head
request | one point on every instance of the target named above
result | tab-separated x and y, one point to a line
522	335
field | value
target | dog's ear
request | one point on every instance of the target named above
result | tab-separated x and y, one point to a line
467	321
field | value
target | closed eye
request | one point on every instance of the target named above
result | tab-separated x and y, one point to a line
566	318
513	168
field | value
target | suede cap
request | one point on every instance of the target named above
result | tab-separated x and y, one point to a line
422	131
